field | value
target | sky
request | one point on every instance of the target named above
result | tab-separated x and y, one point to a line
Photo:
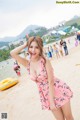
16	15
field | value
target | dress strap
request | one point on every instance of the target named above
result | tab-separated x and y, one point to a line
28	67
42	61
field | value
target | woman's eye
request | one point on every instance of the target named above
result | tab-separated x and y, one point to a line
31	46
37	47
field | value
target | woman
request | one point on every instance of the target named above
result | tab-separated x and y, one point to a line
54	94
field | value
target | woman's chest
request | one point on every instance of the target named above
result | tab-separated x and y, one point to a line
35	69
38	73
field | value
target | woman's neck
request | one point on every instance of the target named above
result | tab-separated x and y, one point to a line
35	59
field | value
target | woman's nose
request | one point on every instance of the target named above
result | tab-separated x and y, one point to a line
33	49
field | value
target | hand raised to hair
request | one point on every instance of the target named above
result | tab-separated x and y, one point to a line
27	36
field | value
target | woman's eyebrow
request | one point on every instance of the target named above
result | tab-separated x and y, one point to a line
34	46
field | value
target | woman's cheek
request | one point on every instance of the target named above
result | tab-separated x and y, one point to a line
30	51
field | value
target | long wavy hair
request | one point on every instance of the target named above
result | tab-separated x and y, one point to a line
39	42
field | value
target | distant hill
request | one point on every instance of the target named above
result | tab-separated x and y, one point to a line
32	30
27	30
75	19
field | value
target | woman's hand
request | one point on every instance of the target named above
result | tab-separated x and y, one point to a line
52	106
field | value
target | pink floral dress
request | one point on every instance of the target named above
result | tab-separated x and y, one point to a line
62	91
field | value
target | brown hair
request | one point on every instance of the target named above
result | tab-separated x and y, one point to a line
39	41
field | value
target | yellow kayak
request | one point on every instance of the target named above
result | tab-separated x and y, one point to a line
7	83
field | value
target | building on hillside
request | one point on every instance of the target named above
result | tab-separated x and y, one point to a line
73	30
62	32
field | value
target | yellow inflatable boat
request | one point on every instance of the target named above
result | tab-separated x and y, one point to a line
7	83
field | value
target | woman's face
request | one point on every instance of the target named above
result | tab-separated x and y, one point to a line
34	49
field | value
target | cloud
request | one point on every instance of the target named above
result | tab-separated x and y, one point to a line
15	15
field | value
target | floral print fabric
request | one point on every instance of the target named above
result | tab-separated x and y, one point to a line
62	91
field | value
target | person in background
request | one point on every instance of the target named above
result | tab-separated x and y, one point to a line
64	44
61	50
76	42
17	68
54	94
59	47
51	49
49	54
55	48
78	36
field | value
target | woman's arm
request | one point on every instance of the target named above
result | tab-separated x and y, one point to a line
15	54
51	84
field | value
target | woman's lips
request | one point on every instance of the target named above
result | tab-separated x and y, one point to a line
32	53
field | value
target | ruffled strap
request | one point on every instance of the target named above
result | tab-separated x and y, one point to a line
43	65
42	61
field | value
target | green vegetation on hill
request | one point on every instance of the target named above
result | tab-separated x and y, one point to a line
39	32
70	22
4	54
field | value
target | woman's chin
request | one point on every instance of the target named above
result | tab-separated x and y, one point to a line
34	56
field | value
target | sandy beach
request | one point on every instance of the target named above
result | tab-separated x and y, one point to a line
22	102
